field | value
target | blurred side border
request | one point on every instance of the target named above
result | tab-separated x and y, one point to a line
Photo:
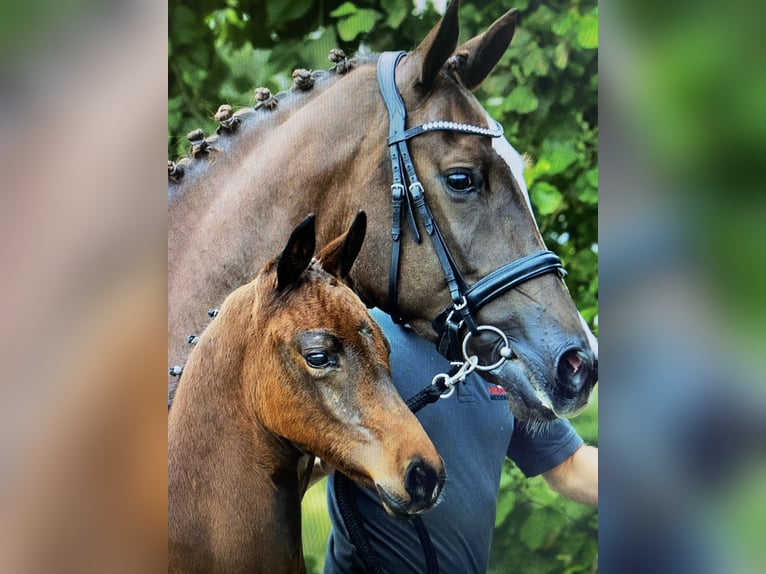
681	281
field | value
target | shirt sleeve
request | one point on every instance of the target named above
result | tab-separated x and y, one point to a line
537	449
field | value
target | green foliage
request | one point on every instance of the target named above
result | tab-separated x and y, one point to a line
538	531
316	526
544	92
353	21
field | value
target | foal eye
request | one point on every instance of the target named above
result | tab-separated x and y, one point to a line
461	181
318	359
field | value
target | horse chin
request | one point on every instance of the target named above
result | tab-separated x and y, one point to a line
526	399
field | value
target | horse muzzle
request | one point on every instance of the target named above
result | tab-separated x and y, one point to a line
544	388
423	485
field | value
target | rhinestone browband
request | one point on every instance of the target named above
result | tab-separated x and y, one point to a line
495	132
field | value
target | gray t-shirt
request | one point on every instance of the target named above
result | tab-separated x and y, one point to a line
473	431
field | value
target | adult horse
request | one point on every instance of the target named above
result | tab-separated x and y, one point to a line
293	364
467	267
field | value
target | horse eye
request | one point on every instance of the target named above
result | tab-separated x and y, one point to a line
460	181
318	359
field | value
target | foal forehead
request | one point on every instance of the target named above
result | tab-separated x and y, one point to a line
323	302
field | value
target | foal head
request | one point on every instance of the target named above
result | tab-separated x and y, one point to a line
318	375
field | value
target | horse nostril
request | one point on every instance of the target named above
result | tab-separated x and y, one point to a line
420	481
574	360
574	369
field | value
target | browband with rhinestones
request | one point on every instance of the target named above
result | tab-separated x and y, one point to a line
495	132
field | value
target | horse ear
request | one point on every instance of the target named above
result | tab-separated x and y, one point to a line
476	58
339	255
437	46
296	255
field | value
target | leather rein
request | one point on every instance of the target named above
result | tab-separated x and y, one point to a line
410	200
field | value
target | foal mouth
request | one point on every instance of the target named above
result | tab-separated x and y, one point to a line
399	507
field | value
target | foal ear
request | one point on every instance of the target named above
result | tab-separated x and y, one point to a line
476	58
339	255
437	46
296	255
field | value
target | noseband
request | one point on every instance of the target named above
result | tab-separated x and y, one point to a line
466	300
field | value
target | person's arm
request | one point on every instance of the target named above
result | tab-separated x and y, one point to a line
577	477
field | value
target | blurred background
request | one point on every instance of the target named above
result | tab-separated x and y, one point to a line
84	109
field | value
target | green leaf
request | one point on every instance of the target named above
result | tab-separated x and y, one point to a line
546	198
359	22
535	62
505	505
521	100
556	156
586	187
561	55
592	176
280	12
345	9
587	33
397	11
534	530
564	24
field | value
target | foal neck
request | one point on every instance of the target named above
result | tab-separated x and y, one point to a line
234	487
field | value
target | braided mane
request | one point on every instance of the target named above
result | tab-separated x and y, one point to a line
268	109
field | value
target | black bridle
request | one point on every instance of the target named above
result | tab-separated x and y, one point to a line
466	300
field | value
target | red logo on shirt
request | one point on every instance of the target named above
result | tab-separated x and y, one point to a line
497	393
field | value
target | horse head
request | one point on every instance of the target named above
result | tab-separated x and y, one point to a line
330	391
526	331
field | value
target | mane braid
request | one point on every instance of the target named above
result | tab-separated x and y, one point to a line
234	124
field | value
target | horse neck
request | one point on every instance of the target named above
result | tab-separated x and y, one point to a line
222	459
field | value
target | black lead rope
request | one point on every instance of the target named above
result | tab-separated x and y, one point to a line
352	516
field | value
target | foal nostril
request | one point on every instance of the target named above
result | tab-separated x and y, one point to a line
420	481
574	371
